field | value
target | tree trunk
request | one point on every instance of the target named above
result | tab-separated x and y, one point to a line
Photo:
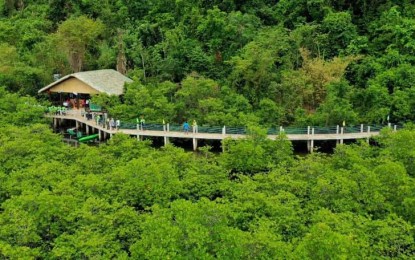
20	5
121	59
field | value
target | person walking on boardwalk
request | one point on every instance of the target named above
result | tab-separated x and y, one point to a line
98	119
142	123
112	124
186	127
194	126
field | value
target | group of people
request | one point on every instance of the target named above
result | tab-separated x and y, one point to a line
56	110
112	124
109	123
72	102
186	127
142	123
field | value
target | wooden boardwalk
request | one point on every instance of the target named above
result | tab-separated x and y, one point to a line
90	126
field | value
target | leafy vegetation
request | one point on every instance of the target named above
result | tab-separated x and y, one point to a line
252	63
223	62
125	199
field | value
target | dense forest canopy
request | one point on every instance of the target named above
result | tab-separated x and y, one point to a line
125	199
232	62
288	62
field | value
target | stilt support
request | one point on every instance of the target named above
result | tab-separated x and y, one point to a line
194	144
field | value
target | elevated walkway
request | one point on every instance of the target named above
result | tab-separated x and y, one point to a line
166	131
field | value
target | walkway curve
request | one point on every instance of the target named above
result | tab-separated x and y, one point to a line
300	134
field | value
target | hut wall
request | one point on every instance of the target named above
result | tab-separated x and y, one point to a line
73	85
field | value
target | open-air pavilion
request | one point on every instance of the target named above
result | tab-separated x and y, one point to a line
75	89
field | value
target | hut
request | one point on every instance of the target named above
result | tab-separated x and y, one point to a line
76	87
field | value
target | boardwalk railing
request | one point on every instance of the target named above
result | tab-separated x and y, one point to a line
290	130
270	131
309	133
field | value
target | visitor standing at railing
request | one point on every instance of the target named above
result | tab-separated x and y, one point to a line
186	127
194	126
112	123
142	123
98	119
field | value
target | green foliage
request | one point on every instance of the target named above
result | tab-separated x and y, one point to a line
153	102
255	69
192	230
322	242
270	112
125	198
340	32
18	150
255	47
256	153
223	63
399	147
337	107
75	35
193	92
105	101
19	111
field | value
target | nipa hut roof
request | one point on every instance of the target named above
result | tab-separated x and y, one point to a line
108	81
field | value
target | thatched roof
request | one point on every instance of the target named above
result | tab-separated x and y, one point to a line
108	81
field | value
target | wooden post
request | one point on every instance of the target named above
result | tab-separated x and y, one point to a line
194	144
341	133
87	129
394	128
99	135
337	133
223	138
168	127
166	140
308	137
368	133
312	141
361	128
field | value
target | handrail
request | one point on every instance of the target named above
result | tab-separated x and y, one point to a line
290	130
